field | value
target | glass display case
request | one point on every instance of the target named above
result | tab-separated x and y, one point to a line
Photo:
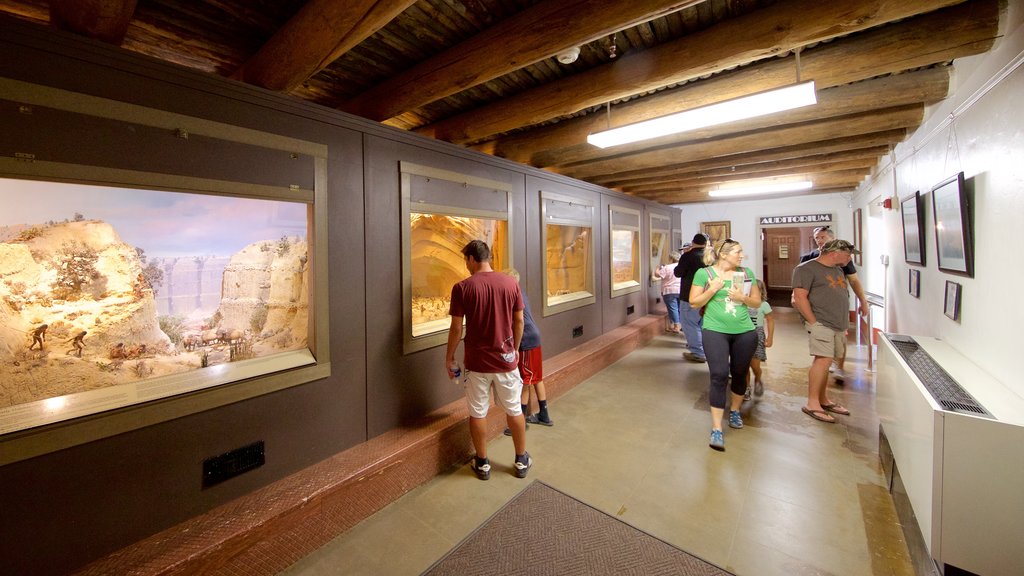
445	211
661	228
126	280
567	235
624	235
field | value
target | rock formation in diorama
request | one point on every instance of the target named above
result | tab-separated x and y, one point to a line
264	293
568	254
190	283
74	277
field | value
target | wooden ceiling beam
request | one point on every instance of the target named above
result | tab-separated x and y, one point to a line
317	35
104	20
539	32
888	119
940	36
884	138
791	164
924	86
846	179
787	25
698	181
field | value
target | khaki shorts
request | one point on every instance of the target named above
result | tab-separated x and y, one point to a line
508	391
826	342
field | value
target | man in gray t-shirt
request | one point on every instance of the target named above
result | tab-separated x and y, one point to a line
821	295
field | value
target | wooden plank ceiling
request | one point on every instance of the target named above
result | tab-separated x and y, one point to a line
484	74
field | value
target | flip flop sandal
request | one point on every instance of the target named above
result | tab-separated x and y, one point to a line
836	409
819	415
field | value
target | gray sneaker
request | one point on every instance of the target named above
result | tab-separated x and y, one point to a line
717	441
694	358
523	465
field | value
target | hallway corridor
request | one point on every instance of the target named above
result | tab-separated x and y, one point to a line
789	496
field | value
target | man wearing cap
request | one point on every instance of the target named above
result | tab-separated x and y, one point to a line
691	261
823	234
821	295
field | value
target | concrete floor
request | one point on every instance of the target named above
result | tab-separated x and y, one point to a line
789	496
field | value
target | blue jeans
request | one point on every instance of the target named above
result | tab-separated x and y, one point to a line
672	303
691	328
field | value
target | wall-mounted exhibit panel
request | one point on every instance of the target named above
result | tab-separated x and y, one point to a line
624	250
443	211
129	274
661	230
569	251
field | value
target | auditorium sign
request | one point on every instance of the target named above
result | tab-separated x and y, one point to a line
804	219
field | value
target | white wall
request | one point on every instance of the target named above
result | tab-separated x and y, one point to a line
978	129
745	216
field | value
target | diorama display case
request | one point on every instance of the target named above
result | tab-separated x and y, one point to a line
138	286
661	243
442	211
624	250
569	252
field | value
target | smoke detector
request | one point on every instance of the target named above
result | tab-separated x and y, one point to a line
568	56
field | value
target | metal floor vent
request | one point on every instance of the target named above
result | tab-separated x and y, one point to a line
943	388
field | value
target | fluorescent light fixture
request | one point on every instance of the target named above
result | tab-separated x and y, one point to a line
751	106
763	189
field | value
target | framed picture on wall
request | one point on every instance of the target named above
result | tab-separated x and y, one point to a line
858	236
952	226
716	231
951	308
915	283
913	229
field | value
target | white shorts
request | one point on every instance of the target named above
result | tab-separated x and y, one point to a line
508	391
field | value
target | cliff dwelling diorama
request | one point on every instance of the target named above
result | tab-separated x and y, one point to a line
102	287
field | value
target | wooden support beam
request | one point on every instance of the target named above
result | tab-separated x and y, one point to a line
539	32
893	118
944	35
845	179
925	86
104	20
322	31
787	25
884	139
748	170
702	181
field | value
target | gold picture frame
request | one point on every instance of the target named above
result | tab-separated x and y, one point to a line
716	232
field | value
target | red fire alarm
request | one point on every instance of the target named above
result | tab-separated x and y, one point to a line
887	203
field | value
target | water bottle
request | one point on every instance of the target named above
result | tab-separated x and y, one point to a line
456	372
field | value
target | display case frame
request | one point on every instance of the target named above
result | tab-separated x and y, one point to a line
435	191
576	214
624	249
660	226
51	424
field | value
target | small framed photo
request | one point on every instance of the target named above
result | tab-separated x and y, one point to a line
952	306
952	226
915	283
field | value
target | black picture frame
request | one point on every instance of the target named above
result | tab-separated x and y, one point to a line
915	283
951	306
953	243
913	229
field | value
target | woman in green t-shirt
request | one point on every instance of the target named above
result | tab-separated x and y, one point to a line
725	290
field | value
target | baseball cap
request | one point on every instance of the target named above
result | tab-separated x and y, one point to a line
839	246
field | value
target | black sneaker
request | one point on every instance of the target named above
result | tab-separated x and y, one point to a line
523	464
508	431
483	471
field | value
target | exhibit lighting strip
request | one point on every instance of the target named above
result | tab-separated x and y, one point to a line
763	189
760	104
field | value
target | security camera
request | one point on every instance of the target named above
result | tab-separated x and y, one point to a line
568	56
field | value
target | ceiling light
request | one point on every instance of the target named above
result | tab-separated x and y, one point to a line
763	189
760	104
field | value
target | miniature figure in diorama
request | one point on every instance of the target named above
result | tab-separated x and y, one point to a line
39	336
77	344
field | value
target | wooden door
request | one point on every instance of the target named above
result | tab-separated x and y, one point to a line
782	249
